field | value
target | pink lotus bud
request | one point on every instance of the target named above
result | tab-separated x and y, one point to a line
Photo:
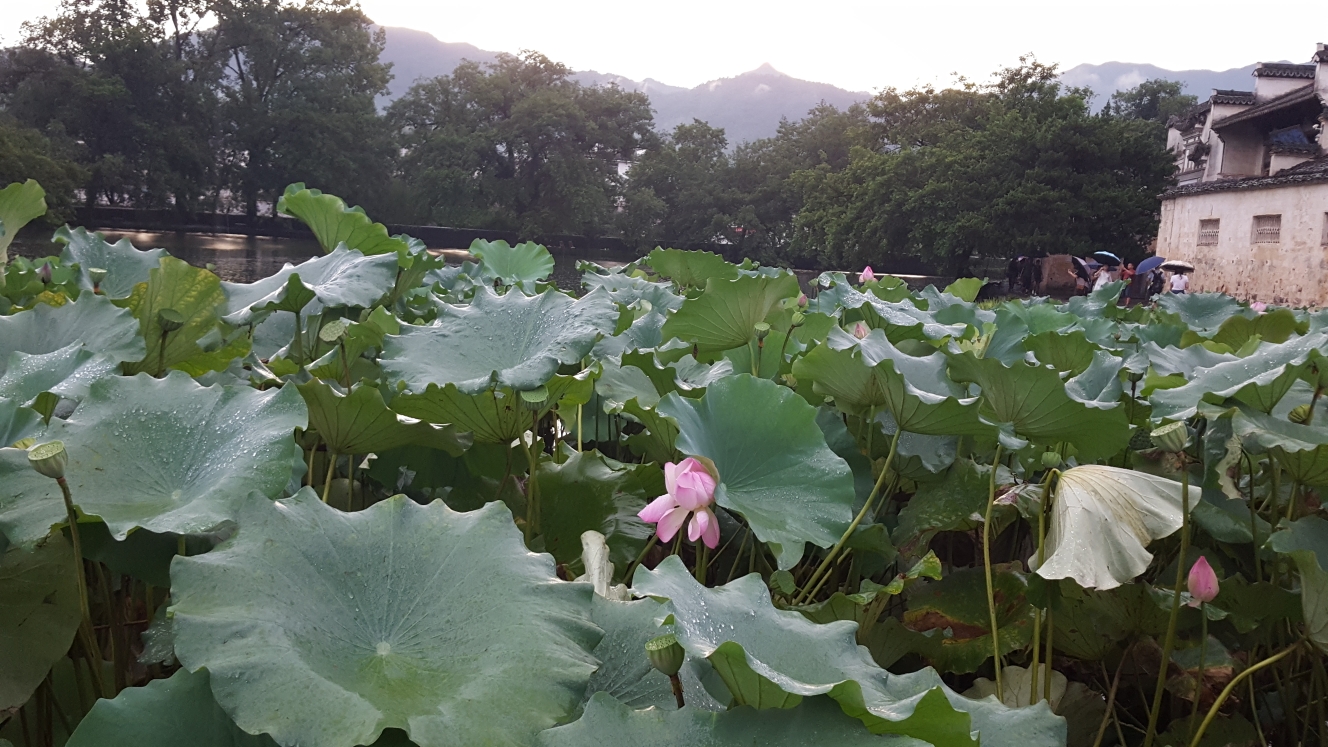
44	273
866	276
1202	582
1259	306
860	331
802	300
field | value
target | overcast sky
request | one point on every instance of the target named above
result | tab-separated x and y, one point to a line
854	44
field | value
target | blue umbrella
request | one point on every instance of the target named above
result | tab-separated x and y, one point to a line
1107	258
1150	264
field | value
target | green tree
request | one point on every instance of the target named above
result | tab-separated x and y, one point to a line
1017	166
679	190
517	145
296	83
27	154
1154	100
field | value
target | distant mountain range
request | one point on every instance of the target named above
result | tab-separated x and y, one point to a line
749	106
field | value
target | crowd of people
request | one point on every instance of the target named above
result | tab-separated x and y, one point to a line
1025	277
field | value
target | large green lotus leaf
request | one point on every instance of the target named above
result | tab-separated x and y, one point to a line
516	340
1202	312
627	290
625	672
91	322
1018	320
1184	361
1275	326
863	375
67	372
726	314
955	504
901	320
495	416
322	627
20	202
335	224
690	269
1096	303
1099	384
1309	534
644	333
1064	351
163	713
39	613
166	455
1313	597
1259	380
522	264
17	423
818	721
1034	402
774	465
360	423
125	265
1090	623
343	278
620	383
591	492
771	658
949	308
954	614
194	293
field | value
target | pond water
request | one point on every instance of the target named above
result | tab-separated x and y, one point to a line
244	259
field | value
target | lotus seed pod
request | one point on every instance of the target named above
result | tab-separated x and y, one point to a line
1171	437
169	320
762	329
1135	376
96	275
1299	414
1140	440
665	654
798	319
1051	459
49	459
535	399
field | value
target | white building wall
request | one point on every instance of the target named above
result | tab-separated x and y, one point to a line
1293	271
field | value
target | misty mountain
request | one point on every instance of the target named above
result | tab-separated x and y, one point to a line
1109	77
748	106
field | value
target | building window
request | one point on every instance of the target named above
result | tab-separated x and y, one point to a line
1267	229
1324	240
1208	231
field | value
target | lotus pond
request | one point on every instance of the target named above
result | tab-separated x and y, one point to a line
373	499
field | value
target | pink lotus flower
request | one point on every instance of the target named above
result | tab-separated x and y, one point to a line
860	331
1259	306
866	276
1202	582
691	492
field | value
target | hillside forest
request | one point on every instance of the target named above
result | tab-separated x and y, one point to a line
216	105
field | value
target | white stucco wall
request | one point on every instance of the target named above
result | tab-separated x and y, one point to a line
1293	272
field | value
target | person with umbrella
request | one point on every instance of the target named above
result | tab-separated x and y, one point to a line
1180	279
1141	283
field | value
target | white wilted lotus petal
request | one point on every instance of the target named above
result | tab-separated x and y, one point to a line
1102	519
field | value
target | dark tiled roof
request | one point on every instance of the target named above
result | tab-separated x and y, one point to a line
1294	148
1291	98
1284	70
1225	96
1192	117
1309	172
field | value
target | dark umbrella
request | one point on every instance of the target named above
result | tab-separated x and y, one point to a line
1081	268
1175	265
1150	264
1107	258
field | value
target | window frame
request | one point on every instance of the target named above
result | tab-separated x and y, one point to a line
1275	230
1216	232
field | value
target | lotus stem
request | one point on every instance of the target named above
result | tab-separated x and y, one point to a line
1203	651
313	452
702	555
986	564
532	485
1231	686
1051	636
86	631
1111	701
823	570
677	689
1170	641
1037	612
578	428
631	568
331	466
297	344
